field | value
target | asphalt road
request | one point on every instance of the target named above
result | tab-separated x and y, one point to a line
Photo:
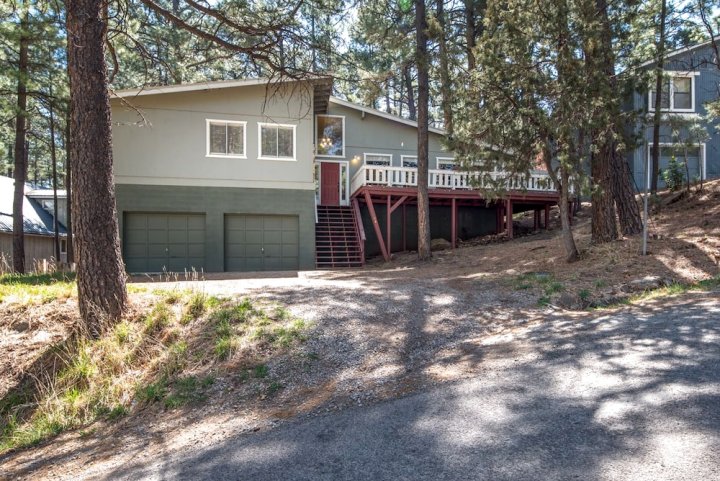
630	396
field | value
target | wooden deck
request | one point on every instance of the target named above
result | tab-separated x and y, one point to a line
397	186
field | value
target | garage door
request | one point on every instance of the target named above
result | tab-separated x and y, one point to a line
261	242
158	242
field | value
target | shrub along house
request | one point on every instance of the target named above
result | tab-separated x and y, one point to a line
239	176
691	81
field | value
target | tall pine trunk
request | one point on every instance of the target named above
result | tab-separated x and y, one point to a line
407	78
70	254
20	167
470	32
657	116
53	159
100	273
423	199
445	86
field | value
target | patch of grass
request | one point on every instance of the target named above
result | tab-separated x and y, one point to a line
147	358
544	301
678	288
158	318
260	371
274	387
27	289
553	287
584	295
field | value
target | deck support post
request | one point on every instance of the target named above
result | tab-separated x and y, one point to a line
547	216
536	219
508	218
404	217
453	223
388	224
498	218
376	226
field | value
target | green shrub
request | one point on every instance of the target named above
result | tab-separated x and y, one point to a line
673	176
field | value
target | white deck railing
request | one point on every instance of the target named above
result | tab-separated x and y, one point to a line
537	181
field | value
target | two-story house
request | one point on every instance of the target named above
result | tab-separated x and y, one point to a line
242	176
692	80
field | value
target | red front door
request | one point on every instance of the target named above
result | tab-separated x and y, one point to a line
329	183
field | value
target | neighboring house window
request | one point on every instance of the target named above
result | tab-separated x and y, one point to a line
677	94
63	246
409	161
277	141
330	140
225	138
446	163
378	159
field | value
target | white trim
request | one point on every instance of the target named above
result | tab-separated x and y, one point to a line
226	122
446	160
379	113
267	157
403	157
389	156
672	75
325	156
342	163
703	162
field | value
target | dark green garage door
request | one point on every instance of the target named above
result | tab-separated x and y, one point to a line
158	242
261	242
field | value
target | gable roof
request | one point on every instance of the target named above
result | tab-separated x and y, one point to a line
681	50
36	220
379	113
213	85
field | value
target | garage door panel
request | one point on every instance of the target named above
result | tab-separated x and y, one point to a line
273	237
254	222
156	242
254	237
273	250
256	242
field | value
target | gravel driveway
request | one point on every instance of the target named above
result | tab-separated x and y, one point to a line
631	395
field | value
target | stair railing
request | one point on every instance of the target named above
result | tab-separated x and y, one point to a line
359	229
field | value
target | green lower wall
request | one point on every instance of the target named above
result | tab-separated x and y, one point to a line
215	202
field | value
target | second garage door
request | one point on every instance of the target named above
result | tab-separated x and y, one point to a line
164	242
261	242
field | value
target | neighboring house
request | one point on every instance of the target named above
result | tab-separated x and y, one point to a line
237	176
693	80
38	223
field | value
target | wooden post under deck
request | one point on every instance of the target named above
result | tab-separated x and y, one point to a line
453	223
547	216
376	226
388	226
404	228
536	219
508	217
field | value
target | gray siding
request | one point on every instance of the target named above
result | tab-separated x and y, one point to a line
170	148
215	204
378	135
706	90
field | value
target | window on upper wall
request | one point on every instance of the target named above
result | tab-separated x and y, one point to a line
225	138
677	94
277	141
409	161
446	163
330	140
378	159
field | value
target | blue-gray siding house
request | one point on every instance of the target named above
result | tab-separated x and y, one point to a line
693	80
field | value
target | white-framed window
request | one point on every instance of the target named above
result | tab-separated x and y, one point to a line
226	138
678	93
276	141
446	163
377	159
409	161
695	154
330	135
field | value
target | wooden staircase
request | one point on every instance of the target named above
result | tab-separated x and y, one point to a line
338	238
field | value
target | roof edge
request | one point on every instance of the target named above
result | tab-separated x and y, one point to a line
379	113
